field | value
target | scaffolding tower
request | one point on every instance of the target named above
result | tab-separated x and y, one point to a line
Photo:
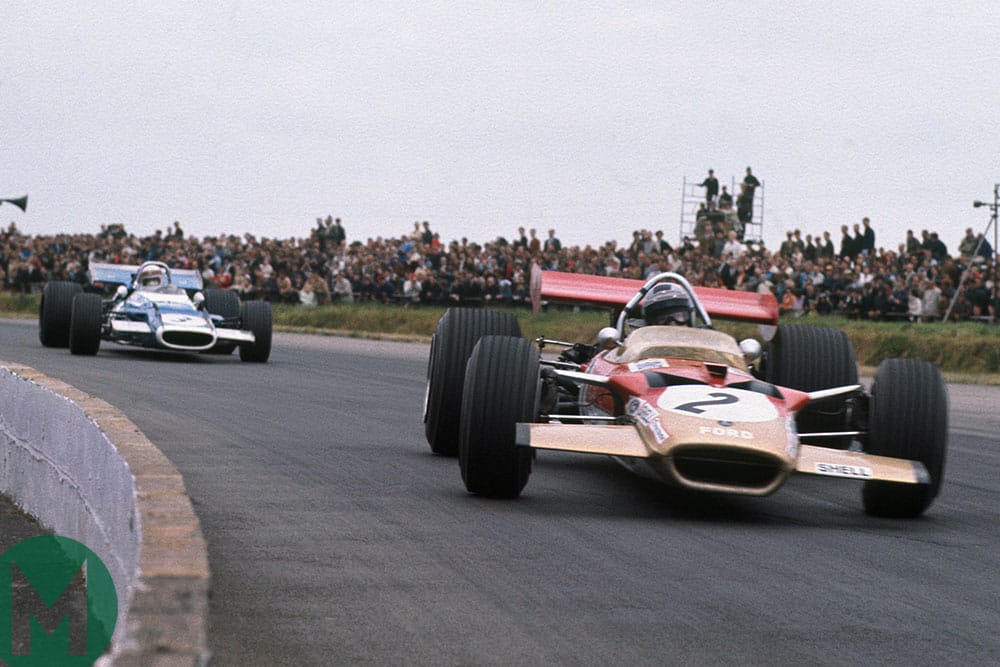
693	195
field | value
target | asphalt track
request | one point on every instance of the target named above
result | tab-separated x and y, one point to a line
336	537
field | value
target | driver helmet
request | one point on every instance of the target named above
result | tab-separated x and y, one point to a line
667	303
152	277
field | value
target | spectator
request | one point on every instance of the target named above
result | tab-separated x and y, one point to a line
931	302
552	244
983	250
938	250
427	237
867	237
711	185
825	250
733	247
744	205
725	199
343	291
534	244
914	305
847	249
751	183
968	245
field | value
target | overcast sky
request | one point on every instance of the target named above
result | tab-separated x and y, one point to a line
479	117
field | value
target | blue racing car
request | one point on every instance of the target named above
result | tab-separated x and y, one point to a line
153	306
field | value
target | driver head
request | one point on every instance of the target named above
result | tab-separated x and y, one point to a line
667	303
152	277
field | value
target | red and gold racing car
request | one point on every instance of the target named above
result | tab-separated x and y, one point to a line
670	397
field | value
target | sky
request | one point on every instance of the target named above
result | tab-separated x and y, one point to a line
480	117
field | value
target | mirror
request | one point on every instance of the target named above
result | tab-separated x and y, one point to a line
751	349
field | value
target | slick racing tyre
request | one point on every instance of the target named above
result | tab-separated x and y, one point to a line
55	312
501	389
810	358
256	317
457	333
226	304
908	419
85	324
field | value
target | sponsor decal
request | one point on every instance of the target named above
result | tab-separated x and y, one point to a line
724	432
646	414
648	364
658	432
792	446
842	470
718	403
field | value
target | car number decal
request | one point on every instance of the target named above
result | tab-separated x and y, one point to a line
719	398
704	402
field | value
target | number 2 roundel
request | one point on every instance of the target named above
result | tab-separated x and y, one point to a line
717	403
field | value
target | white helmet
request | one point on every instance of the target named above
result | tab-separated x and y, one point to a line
152	277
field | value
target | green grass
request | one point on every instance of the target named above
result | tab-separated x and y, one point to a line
961	347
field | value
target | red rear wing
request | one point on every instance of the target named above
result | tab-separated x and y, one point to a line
603	291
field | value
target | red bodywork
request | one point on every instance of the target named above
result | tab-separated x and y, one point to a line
606	292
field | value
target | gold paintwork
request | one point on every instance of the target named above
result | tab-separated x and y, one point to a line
659	440
857	465
685	343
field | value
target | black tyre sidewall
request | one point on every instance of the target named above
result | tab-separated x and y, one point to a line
501	389
224	303
908	419
457	333
810	358
85	324
55	312
257	318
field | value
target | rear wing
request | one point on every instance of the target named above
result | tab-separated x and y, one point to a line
608	292
124	274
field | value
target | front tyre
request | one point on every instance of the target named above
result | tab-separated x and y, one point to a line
501	389
457	333
85	324
225	304
55	312
256	317
908	420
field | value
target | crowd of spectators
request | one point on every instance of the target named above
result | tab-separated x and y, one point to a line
916	280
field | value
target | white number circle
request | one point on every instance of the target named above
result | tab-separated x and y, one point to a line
717	403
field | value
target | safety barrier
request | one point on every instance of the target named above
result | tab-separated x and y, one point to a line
85	471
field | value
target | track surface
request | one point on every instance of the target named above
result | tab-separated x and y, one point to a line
335	536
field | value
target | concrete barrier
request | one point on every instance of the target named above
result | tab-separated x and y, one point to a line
85	471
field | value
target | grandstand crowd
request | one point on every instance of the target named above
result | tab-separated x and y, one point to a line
916	280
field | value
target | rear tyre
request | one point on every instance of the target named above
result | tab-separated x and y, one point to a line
908	419
226	304
256	317
456	335
501	389
810	358
85	324
55	312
